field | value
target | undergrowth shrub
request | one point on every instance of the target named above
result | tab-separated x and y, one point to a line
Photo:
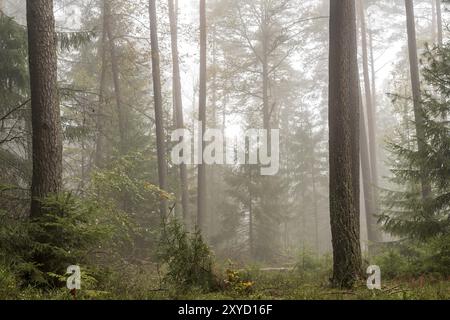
8	282
413	258
40	250
190	264
239	282
310	264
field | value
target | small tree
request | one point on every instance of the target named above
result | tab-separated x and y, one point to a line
407	212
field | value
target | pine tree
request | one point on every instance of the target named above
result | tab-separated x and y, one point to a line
159	121
46	118
407	214
344	145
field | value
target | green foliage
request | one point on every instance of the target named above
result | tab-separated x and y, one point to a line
13	57
407	213
8	282
310	264
124	187
14	115
413	259
238	282
189	260
68	233
74	40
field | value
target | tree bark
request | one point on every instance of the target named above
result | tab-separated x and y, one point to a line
159	122
314	193
344	146
251	236
116	78
201	198
433	21
371	139
439	22
99	143
373	233
415	83
372	68
178	101
46	121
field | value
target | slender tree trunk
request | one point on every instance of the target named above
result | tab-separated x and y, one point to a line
371	142
84	167
201	200
415	83
314	194
250	219
265	76
178	101
439	22
344	146
46	121
121	115
372	68
99	144
116	78
159	122
212	170
433	21
373	234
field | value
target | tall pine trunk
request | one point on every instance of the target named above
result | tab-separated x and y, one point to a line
439	22
369	201
201	197
433	21
415	83
372	69
116	78
344	145
159	122
45	114
178	101
99	143
371	141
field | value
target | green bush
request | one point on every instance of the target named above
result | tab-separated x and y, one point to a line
412	258
42	248
188	259
8	282
309	264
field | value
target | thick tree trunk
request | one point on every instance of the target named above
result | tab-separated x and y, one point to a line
371	142
116	78
201	198
46	121
415	82
344	146
178	101
159	122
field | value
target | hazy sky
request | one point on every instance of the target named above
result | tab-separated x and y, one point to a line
385	56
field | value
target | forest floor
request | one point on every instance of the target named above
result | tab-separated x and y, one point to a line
273	285
288	286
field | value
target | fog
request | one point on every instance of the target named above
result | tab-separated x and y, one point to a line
256	186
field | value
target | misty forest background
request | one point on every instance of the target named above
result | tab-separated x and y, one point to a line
90	91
